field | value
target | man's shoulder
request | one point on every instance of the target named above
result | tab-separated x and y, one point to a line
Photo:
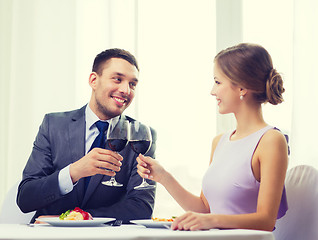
72	114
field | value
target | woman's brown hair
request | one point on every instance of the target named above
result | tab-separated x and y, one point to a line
250	66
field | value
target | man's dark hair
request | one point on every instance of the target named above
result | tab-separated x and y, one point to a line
106	55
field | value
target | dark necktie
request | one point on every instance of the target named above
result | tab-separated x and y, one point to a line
98	142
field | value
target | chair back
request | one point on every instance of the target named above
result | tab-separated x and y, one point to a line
10	212
301	219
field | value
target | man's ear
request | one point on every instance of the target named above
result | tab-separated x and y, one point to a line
92	81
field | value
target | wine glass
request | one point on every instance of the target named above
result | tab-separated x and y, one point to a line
140	141
117	139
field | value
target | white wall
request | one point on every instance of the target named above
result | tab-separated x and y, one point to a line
176	45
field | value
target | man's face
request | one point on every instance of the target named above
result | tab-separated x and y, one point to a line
114	89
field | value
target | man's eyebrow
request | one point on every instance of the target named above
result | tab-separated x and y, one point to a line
119	74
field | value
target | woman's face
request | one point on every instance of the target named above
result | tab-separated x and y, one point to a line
226	94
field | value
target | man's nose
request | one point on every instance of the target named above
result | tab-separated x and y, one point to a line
124	88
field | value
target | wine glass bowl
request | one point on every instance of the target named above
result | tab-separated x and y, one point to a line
140	141
116	140
141	146
116	145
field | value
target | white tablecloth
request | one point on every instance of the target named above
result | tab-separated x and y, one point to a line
124	232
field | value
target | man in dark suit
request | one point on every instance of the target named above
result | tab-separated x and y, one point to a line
60	163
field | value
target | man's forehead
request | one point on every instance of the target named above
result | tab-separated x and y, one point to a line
116	69
116	60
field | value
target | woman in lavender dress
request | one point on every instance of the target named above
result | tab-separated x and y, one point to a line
244	184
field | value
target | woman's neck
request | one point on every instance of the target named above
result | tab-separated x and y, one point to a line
248	121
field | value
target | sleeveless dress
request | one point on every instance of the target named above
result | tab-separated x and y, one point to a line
229	184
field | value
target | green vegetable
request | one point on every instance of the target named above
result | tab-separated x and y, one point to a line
64	215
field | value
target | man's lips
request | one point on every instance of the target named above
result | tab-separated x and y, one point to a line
119	100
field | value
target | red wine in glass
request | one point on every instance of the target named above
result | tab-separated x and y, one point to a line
141	146
117	139
140	141
116	145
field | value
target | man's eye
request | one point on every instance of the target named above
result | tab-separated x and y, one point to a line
117	79
133	85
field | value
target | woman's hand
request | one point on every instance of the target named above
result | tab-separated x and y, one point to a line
193	221
149	168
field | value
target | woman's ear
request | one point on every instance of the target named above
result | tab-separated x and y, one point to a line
243	91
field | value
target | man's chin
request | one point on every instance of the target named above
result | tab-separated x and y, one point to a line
110	113
114	114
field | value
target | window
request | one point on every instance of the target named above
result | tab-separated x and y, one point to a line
270	24
176	47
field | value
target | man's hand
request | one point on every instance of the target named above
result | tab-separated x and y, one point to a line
97	161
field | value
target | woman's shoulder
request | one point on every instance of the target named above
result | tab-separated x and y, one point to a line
273	138
274	134
216	139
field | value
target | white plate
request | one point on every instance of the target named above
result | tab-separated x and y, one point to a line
152	224
55	221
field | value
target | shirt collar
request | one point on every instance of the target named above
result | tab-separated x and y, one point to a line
91	118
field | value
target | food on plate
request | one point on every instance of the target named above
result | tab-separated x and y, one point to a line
163	219
76	214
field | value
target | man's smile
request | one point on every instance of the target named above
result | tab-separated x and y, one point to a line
121	101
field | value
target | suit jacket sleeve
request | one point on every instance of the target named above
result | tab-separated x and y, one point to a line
39	186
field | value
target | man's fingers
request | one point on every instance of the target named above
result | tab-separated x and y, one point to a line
107	165
106	172
113	154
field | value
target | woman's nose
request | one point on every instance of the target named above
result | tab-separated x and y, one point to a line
213	90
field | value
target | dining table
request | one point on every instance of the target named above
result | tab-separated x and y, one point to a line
123	232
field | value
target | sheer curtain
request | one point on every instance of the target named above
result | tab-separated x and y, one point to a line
289	31
47	50
305	99
176	46
277	37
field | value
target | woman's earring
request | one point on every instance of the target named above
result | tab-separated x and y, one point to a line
241	97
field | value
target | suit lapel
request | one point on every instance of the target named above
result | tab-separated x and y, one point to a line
77	144
93	183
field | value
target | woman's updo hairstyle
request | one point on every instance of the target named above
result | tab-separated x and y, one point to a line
250	66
